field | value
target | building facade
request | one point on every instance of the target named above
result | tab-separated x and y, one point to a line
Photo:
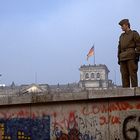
94	77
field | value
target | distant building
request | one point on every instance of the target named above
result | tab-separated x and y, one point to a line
65	88
34	88
94	77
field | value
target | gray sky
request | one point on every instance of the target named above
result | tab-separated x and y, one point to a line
51	38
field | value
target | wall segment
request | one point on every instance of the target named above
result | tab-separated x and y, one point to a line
89	115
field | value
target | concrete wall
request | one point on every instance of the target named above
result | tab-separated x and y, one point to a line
89	115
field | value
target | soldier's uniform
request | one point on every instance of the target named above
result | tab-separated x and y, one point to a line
128	56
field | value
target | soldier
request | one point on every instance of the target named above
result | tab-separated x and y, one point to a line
128	54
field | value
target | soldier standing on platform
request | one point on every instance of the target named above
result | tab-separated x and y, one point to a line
128	54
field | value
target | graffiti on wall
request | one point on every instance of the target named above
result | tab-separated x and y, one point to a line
131	127
90	121
76	127
111	108
25	129
83	122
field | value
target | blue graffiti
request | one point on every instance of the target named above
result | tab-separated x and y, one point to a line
26	128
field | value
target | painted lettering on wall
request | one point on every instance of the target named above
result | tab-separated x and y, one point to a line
76	127
112	107
131	128
81	122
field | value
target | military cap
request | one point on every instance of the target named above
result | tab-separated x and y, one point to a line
124	21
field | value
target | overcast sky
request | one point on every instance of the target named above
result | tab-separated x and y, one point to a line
48	40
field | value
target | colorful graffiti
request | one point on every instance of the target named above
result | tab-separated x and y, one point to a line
111	108
74	134
25	129
91	121
76	127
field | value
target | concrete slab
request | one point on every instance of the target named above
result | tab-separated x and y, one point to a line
137	91
41	98
63	97
19	99
123	116
80	96
70	96
111	93
3	100
84	95
90	118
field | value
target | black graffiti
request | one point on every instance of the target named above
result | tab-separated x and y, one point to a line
85	123
127	131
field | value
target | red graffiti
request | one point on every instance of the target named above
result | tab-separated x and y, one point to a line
23	113
54	114
138	106
68	123
118	106
72	135
63	137
72	121
109	120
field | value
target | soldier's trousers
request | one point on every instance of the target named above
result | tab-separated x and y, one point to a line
129	70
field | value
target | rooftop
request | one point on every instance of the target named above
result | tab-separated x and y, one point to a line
100	66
